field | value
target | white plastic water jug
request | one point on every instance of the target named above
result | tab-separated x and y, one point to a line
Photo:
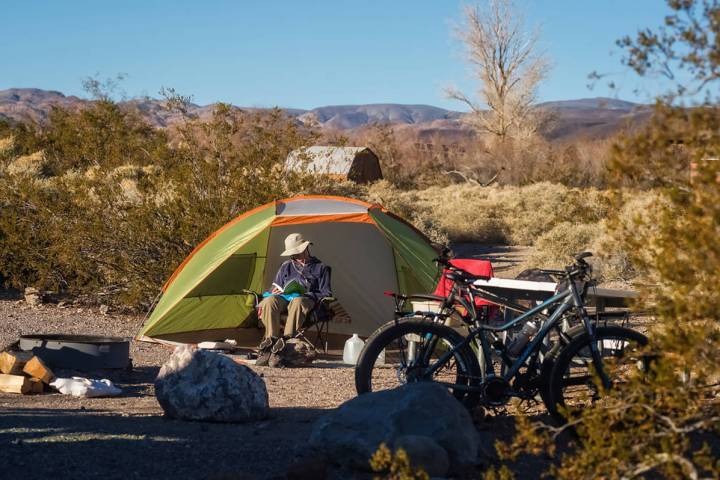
380	360
351	352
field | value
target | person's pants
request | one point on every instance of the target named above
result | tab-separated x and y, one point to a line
272	307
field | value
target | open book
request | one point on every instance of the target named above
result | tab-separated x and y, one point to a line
293	286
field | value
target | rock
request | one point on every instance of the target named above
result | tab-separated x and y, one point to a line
104	309
311	468
295	353
201	385
350	434
424	452
33	297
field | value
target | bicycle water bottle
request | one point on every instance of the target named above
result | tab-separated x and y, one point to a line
351	352
522	338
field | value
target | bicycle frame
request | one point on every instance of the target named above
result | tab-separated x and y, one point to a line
563	298
480	332
568	299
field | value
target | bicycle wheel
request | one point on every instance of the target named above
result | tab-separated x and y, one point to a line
573	383
411	346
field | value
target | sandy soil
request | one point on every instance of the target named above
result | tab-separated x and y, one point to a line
127	436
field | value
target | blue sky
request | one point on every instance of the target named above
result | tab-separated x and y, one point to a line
301	54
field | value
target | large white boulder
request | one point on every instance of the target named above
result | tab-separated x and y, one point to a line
200	385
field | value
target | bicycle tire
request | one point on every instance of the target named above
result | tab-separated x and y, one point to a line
566	359
468	367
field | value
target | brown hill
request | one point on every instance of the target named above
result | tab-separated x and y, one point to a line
586	118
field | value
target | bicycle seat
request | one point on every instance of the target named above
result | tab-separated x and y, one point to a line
459	277
582	255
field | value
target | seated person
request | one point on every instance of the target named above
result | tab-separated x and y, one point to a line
307	270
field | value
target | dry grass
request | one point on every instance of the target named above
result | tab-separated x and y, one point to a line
555	247
554	219
6	145
419	157
494	215
33	165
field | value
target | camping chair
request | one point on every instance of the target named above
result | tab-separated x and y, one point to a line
319	318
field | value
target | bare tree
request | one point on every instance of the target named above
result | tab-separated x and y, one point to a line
506	62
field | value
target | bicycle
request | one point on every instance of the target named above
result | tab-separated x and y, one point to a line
420	346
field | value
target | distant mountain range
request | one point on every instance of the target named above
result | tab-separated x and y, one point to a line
590	118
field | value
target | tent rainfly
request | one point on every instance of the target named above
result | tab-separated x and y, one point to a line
369	249
359	164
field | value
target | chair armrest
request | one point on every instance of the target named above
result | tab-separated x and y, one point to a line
325	303
255	294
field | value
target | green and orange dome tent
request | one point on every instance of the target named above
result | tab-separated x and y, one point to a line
370	250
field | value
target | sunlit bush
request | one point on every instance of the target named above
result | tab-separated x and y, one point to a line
111	207
34	165
555	247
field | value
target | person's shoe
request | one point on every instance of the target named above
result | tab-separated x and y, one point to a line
276	361
267	344
278	346
263	359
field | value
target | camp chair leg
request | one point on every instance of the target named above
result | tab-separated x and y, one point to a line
322	336
301	335
327	335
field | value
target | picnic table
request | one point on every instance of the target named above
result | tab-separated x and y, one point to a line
600	298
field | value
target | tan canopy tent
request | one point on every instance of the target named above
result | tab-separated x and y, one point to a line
369	249
359	164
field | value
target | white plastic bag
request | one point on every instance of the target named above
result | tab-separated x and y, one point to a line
216	345
85	387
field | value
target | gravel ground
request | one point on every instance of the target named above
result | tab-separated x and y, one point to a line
127	436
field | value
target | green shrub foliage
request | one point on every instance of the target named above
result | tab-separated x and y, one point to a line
664	423
98	202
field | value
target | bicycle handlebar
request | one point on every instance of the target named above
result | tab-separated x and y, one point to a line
444	260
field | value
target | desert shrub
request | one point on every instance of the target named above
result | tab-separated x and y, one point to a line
494	215
406	204
665	422
636	213
103	133
7	144
27	231
537	208
16	139
395	465
33	165
554	248
108	222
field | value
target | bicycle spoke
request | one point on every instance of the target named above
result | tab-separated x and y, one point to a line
422	355
576	381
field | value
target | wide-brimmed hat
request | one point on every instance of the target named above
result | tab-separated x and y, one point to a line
294	244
